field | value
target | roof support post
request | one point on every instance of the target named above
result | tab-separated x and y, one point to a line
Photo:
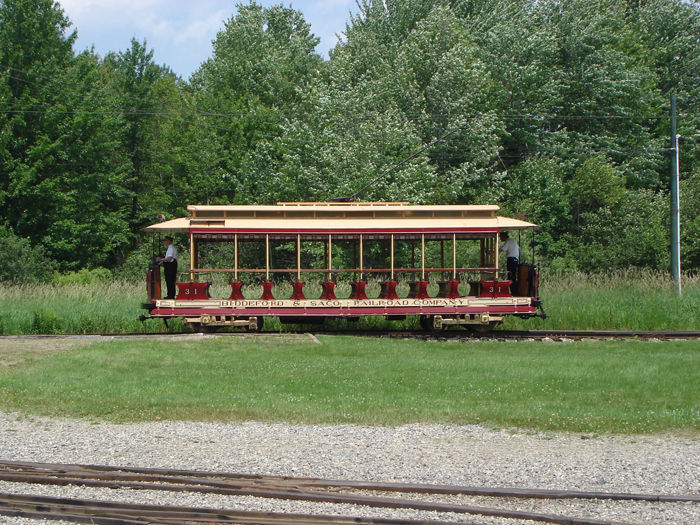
422	256
361	267
235	257
298	257
330	257
267	256
193	257
454	256
496	249
391	257
442	253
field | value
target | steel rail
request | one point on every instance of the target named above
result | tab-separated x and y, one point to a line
277	488
494	334
116	513
648	334
237	480
309	495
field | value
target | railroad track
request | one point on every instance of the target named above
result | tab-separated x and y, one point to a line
364	493
416	334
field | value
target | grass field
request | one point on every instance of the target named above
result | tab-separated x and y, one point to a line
623	301
625	387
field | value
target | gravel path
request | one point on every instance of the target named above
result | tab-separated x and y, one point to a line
459	455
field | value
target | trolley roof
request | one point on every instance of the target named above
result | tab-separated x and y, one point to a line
367	217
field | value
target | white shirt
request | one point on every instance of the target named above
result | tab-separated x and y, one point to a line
171	252
511	248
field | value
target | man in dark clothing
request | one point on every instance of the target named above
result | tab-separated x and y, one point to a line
169	263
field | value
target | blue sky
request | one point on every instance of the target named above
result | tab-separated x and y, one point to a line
180	32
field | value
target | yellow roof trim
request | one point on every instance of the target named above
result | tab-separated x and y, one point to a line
332	218
175	225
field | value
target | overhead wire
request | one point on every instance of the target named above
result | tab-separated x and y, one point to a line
366	114
181	117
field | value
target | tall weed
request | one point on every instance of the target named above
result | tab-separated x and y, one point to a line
624	300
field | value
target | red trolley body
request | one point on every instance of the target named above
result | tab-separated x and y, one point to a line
438	262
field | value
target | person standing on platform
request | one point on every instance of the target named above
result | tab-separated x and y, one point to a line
169	263
512	251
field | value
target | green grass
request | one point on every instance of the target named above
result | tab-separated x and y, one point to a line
110	307
616	301
620	301
623	387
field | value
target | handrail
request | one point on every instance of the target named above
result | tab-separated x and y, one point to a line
336	270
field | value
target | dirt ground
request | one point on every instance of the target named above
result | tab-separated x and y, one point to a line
19	349
15	350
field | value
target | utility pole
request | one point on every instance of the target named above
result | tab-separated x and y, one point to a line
675	203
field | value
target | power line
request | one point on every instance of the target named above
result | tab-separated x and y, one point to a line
362	114
540	117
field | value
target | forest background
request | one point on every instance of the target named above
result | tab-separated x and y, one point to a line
560	113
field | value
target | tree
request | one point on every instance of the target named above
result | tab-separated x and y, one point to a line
22	262
144	96
596	184
85	220
34	48
263	64
690	221
62	176
535	191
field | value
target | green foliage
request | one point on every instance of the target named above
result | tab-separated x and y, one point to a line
623	300
535	191
60	178
690	221
263	63
82	277
22	262
46	321
616	228
142	91
555	109
595	185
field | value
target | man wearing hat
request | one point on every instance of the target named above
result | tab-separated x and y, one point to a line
169	263
512	250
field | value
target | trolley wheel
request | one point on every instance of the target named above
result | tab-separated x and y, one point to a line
483	328
202	329
427	322
260	321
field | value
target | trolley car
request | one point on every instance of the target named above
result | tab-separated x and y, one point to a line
437	262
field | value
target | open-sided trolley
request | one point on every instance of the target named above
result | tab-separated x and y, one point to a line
437	262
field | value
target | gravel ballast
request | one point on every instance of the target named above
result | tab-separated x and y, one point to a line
437	454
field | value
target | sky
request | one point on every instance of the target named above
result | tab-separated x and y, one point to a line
180	32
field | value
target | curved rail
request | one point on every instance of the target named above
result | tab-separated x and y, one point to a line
112	513
279	487
228	479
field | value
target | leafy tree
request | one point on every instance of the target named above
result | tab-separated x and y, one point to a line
144	95
84	221
552	108
595	185
263	63
34	48
690	221
22	262
63	173
634	233
535	191
668	31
